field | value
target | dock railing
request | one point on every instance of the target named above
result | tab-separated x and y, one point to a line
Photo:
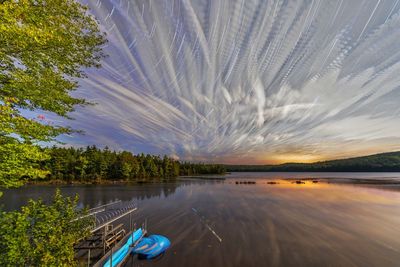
105	237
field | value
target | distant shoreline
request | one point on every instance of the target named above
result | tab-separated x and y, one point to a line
125	182
221	177
95	182
315	171
383	162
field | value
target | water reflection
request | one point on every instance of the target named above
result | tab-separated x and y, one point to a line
261	224
95	195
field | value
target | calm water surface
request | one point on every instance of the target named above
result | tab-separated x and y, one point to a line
286	224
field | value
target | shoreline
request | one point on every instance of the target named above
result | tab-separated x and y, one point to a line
216	177
96	182
125	182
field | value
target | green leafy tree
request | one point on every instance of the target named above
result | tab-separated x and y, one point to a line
43	235
93	164
166	166
80	167
126	170
44	46
150	166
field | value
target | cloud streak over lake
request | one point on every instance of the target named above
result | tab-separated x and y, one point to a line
265	81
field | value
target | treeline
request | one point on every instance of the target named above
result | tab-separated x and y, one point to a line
94	164
384	162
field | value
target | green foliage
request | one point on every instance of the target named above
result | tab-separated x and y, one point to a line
187	168
389	162
43	47
42	235
19	162
93	164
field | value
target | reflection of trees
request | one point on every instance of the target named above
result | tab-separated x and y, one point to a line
96	195
157	190
148	191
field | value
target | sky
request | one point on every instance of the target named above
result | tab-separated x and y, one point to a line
244	81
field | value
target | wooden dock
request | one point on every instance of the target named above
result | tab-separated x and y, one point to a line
107	233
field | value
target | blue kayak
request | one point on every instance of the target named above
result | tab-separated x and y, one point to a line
152	246
119	255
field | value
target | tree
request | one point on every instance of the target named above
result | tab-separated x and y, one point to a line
150	166
43	47
43	235
166	166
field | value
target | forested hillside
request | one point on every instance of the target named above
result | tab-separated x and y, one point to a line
389	162
94	164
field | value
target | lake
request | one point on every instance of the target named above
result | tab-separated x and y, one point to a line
262	224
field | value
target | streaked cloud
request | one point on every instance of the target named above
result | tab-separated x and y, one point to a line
244	81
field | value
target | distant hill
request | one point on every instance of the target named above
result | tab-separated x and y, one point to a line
384	162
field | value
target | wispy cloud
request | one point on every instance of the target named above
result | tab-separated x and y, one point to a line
230	80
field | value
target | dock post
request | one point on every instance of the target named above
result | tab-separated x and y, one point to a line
111	257
88	258
104	242
130	221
